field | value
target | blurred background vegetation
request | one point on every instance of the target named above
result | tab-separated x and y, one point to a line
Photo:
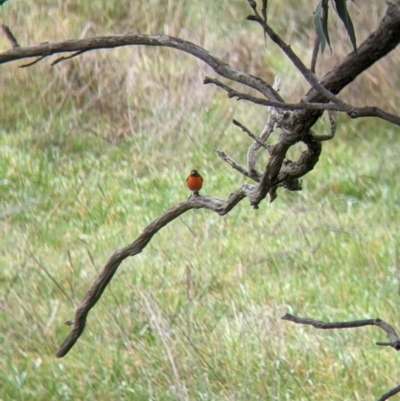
95	148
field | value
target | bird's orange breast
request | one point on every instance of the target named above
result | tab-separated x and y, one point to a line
194	183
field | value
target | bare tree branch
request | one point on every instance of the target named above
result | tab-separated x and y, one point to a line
377	45
288	178
278	105
31	63
9	35
227	159
307	74
265	134
219	206
350	110
372	111
108	42
298	123
295	124
249	133
390	332
390	393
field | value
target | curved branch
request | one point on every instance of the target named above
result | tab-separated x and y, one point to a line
95	292
108	42
390	393
290	172
298	123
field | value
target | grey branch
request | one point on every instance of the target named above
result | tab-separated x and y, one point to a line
394	340
249	133
108	42
390	332
227	159
378	44
265	134
287	177
343	107
390	393
307	74
219	206
295	124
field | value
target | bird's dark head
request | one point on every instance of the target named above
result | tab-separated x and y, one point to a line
194	173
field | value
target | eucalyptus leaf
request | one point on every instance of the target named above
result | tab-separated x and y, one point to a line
325	8
264	9
341	9
318	26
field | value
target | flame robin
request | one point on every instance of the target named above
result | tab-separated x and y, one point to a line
194	182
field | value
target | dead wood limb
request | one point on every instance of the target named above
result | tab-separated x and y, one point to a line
109	42
343	107
236	166
390	393
289	175
219	206
378	44
265	134
394	340
295	123
250	134
389	330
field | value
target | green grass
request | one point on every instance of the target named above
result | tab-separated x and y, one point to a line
93	150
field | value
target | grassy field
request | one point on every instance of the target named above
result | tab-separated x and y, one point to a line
94	149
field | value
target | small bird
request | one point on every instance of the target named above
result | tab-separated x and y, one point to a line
194	182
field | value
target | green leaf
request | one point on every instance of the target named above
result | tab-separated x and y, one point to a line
318	26
341	9
325	8
264	9
264	15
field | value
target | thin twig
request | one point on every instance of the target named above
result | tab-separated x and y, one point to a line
307	74
250	134
235	165
278	105
332	131
33	62
11	38
390	393
60	59
343	107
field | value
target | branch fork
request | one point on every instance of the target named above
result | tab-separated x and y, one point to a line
293	120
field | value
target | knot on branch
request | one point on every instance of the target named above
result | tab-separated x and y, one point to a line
289	137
